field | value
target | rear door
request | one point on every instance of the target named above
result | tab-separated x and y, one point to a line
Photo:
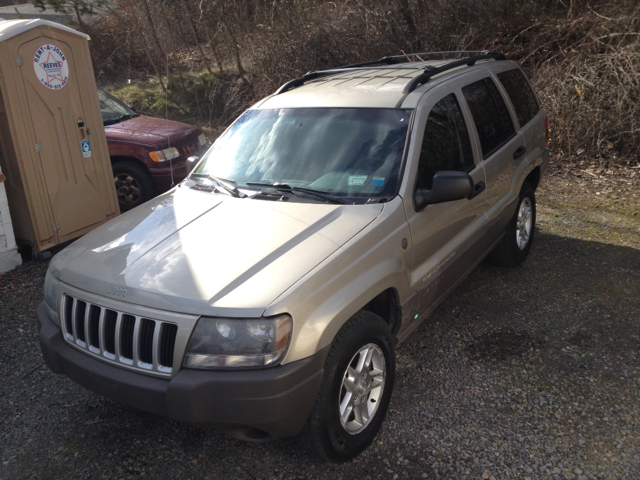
527	108
501	147
68	165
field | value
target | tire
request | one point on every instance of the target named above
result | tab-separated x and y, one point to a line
363	346
134	184
516	243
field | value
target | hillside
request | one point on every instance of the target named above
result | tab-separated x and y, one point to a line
204	62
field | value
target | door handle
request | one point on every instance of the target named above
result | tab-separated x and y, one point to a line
519	152
477	190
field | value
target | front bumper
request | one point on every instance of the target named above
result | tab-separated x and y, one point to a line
163	177
253	405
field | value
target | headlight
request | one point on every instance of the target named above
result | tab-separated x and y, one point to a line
232	343
202	140
51	295
164	155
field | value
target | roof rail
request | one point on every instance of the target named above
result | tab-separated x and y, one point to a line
394	59
431	71
413	84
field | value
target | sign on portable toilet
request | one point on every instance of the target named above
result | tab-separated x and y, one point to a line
52	144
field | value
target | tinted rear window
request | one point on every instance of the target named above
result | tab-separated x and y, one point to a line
522	97
490	115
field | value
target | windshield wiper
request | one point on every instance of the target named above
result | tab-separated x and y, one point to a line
288	188
231	189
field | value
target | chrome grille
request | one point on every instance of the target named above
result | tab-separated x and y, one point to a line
120	337
190	149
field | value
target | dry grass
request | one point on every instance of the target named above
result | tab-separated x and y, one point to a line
583	56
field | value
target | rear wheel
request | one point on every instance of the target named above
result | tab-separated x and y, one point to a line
355	390
516	243
134	184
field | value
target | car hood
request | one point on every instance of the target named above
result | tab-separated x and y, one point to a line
154	132
203	253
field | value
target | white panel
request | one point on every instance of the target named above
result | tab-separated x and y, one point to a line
6	229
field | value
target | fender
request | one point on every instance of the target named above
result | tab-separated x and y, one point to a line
324	299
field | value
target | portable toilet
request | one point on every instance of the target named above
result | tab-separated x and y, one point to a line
53	149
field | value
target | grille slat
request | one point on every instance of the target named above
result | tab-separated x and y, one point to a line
120	337
125	335
167	341
110	321
68	315
155	346
79	321
72	321
93	328
145	341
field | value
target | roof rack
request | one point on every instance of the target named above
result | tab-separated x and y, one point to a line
424	77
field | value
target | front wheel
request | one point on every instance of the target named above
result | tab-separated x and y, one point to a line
134	184
516	243
356	389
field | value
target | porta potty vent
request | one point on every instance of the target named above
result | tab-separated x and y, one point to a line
53	150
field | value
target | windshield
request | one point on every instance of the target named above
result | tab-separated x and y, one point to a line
349	152
113	110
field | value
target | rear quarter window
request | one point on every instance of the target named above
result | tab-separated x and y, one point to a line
522	97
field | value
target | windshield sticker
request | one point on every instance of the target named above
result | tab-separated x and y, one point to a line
51	66
377	182
357	180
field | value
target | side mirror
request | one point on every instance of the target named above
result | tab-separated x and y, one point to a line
192	162
447	186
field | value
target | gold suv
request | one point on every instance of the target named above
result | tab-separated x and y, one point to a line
264	295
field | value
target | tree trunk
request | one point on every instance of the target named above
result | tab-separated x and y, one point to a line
236	51
144	43
167	25
75	7
154	34
195	36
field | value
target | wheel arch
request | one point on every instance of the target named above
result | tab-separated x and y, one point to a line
124	158
387	306
374	290
534	177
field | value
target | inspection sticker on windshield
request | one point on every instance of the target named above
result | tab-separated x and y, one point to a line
86	148
377	181
357	180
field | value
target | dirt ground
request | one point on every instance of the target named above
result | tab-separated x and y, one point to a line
530	372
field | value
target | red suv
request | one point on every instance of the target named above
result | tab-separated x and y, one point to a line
148	154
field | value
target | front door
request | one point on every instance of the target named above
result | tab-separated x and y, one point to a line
445	235
68	166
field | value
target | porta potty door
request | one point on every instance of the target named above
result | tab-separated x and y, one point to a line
63	141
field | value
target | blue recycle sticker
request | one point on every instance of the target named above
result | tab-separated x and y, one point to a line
86	148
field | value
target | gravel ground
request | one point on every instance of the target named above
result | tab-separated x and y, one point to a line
532	372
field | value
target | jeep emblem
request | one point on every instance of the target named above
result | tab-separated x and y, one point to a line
117	291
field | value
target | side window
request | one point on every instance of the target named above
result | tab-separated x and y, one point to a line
445	145
490	114
522	97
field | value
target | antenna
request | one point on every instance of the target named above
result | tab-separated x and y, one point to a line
166	119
